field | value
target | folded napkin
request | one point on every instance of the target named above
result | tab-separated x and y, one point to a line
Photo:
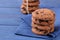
25	28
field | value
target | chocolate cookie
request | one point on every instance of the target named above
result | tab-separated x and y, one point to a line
32	4
30	9
39	22
41	27
39	31
44	14
42	22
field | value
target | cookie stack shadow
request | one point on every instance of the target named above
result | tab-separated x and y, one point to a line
32	6
43	21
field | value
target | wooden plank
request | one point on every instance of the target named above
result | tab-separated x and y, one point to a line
9	11
10	3
50	3
9	21
9	16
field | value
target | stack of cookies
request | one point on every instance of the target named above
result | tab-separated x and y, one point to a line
43	21
29	6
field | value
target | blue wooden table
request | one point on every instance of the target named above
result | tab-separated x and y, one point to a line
10	14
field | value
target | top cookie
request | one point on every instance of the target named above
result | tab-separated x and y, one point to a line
44	14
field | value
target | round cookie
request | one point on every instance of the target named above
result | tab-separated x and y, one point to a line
30	1
41	27
30	9
39	32
44	14
31	4
42	22
39	22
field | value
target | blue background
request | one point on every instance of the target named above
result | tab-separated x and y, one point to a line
10	16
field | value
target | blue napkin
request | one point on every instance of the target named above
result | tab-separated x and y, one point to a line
25	28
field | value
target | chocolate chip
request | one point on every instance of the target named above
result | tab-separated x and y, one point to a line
42	25
25	13
37	13
40	30
50	20
54	14
32	10
40	20
34	23
24	9
46	20
35	19
31	6
36	28
45	32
